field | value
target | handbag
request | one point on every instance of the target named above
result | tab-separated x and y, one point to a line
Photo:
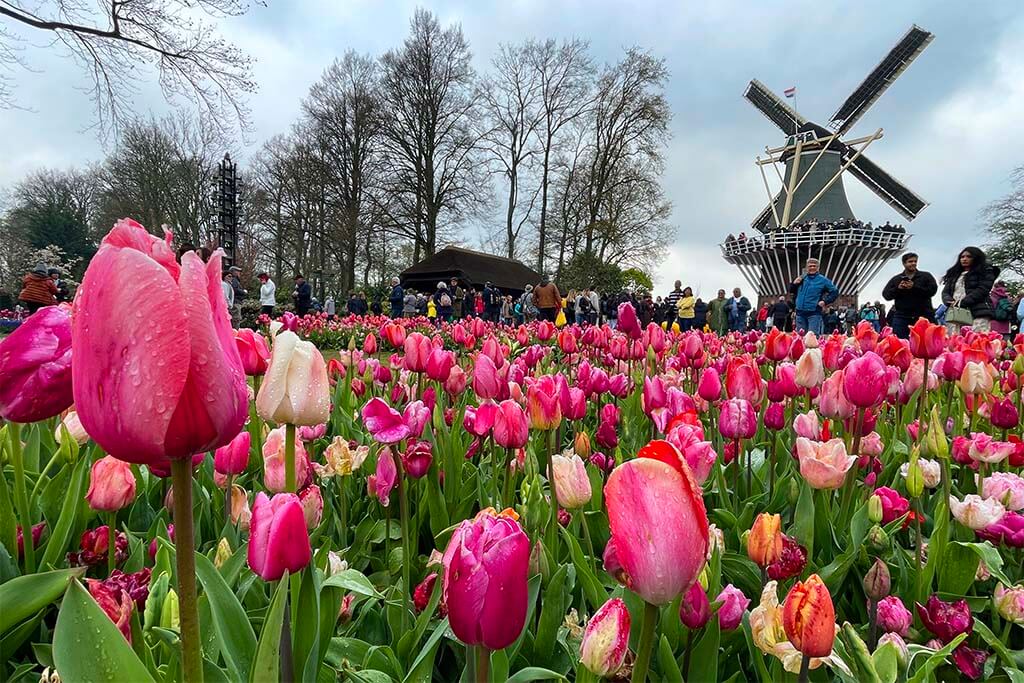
959	316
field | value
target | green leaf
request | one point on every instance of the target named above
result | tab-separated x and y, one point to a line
266	666
935	660
25	595
17	636
57	545
411	639
422	667
991	557
552	612
803	519
499	666
237	640
593	591
87	645
535	673
886	663
995	643
667	663
353	581
704	658
957	571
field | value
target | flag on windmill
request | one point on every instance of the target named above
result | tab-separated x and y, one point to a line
790	92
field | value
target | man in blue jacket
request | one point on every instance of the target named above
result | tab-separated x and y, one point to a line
811	293
396	298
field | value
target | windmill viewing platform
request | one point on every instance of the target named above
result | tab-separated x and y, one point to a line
809	215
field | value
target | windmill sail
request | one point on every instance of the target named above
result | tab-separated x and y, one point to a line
773	107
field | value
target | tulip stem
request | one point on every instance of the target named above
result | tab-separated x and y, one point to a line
646	644
407	549
21	497
506	493
686	655
552	533
483	663
805	669
191	657
227	500
289	458
342	512
111	542
586	537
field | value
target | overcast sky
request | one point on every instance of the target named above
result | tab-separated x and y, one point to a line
953	121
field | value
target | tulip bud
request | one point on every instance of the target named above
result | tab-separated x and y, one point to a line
764	544
877	541
877	582
582	445
775	417
606	639
111	485
875	509
1017	367
935	444
223	553
1004	414
794	491
694	609
915	477
72	426
169	618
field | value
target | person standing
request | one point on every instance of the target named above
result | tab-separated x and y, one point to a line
581	307
409	303
700	314
778	313
911	293
812	291
62	294
762	317
229	292
37	289
1002	309
506	310
967	284
236	284
330	308
685	310
492	302
738	307
529	310
396	298
595	305
672	299
443	302
302	295
268	294
547	299
718	316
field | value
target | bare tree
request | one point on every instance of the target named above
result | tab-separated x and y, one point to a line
564	73
111	40
1005	226
430	102
511	101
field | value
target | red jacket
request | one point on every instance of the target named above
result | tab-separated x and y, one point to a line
38	289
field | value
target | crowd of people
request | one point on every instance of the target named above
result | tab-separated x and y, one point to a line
814	225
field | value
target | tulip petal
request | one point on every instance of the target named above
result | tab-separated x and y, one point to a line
275	383
504	611
259	533
126	358
660	527
214	402
288	546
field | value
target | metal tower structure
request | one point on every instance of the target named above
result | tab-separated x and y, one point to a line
225	206
814	159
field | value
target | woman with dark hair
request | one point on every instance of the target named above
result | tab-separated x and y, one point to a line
967	284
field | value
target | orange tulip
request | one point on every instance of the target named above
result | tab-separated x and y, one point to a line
764	545
809	617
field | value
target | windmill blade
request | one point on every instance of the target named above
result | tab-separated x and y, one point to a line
777	111
893	192
883	75
763	219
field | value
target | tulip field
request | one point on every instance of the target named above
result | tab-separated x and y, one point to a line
181	501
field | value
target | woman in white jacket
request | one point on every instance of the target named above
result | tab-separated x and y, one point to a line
268	294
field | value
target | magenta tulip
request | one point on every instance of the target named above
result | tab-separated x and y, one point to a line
384	423
866	380
278	539
486	379
694	608
486	565
440	364
628	323
479	420
253	351
233	458
380	483
659	527
737	419
734	604
35	367
157	377
775	417
511	427
416	415
710	386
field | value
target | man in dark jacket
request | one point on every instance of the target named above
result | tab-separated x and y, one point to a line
737	308
492	303
302	296
396	298
700	314
911	293
778	313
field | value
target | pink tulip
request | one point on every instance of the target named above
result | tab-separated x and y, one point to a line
628	324
273	462
278	539
734	604
486	379
619	385
658	524
573	403
606	639
417	350
456	382
572	484
699	454
380	483
694	608
384	423
807	425
975	512
653	396
296	389
252	351
485	576
234	457
832	402
511	427
111	485
823	465
542	400
416	415
893	616
156	378
737	419
35	367
710	386
440	364
1006	487
479	420
983	448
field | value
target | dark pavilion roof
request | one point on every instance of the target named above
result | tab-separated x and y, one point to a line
472	267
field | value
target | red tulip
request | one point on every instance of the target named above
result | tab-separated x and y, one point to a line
927	340
252	351
809	617
659	528
111	485
511	428
567	341
742	380
737	419
777	344
485	575
417	459
790	563
370	344
233	458
115	603
157	377
35	367
278	539
394	334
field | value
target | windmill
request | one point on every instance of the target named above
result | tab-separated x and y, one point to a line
815	158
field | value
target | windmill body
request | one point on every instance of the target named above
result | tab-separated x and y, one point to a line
810	215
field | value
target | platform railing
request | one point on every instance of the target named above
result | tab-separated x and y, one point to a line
865	237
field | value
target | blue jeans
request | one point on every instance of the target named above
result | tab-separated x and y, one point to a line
810	322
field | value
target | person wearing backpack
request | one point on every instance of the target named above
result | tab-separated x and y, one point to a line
583	308
1002	309
443	302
